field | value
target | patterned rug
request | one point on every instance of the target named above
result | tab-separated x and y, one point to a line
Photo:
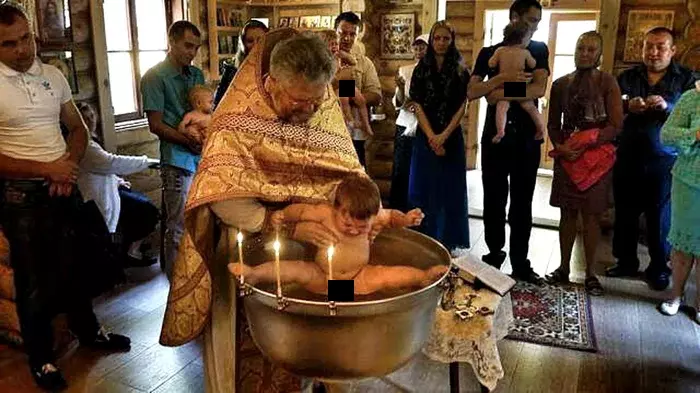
558	316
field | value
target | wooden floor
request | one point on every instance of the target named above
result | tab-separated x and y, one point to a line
639	349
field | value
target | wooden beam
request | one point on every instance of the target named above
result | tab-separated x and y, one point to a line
104	98
608	21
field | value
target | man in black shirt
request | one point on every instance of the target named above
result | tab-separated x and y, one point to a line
642	174
517	155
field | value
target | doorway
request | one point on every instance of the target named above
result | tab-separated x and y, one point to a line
560	30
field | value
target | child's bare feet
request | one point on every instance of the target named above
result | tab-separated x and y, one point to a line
238	269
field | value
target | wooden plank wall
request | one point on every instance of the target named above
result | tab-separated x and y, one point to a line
460	14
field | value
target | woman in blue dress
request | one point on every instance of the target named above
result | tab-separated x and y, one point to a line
438	183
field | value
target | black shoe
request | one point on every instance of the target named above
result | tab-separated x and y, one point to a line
658	281
495	259
49	377
622	271
109	342
528	276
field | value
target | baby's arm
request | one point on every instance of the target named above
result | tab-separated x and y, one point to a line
186	121
300	212
530	60
396	219
493	61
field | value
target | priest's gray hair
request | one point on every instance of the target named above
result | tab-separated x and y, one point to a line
304	55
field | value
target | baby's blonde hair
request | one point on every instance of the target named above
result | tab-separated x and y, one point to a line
196	91
328	35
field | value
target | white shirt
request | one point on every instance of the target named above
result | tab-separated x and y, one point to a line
98	180
407	118
30	111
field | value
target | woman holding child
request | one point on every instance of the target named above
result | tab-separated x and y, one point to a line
585	115
437	183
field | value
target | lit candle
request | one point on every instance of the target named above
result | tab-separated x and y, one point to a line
276	246
331	251
239	237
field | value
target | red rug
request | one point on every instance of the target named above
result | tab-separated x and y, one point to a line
558	316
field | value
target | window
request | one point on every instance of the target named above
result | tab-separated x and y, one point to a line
137	40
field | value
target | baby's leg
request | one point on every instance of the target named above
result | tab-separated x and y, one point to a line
501	118
531	109
299	272
361	104
373	278
347	112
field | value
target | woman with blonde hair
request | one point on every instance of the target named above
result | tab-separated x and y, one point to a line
682	131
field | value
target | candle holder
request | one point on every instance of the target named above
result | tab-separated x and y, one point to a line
242	287
244	290
282	302
332	309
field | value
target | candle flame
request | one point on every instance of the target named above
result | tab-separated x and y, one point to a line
276	245
331	251
239	237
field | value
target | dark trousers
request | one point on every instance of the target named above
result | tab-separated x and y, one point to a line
42	232
137	218
642	188
516	159
360	149
403	150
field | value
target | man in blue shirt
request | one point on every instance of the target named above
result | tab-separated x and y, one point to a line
165	89
642	174
517	156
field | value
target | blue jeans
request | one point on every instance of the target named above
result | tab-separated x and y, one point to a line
43	233
176	185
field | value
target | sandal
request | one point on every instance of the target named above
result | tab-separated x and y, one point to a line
557	277
593	286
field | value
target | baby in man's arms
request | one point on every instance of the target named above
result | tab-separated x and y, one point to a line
357	207
195	122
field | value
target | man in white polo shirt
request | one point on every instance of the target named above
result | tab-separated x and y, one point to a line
39	201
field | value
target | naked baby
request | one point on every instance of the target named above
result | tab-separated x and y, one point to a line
513	57
356	209
195	123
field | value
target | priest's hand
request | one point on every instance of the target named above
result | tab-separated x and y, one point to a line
637	105
315	233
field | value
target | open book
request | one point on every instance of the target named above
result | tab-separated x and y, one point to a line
470	268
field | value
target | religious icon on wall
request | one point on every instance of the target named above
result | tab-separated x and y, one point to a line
53	21
310	22
294	21
639	22
284	22
327	22
64	61
398	31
